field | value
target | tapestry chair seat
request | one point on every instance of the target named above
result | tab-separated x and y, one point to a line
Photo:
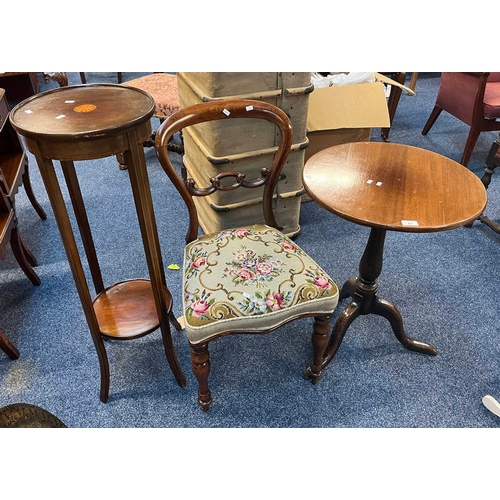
247	279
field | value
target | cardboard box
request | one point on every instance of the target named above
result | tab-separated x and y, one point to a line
343	114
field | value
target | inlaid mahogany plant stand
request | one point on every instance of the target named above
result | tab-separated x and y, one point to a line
87	122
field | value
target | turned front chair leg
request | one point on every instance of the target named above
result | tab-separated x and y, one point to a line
319	339
200	359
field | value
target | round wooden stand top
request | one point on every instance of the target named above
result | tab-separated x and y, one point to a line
127	309
82	111
394	186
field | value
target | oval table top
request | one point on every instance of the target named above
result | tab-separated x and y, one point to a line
394	186
82	111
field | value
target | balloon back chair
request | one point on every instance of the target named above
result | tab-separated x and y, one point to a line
473	98
250	279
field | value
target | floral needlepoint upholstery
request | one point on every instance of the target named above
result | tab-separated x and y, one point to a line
266	280
163	89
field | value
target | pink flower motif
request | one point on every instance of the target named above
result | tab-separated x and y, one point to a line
246	274
198	262
275	301
200	307
241	232
240	257
286	245
322	282
264	268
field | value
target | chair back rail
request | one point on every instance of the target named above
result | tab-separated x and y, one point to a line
229	180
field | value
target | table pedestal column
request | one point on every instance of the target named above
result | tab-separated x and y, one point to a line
365	300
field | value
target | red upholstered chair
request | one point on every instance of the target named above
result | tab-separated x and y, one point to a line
473	98
162	87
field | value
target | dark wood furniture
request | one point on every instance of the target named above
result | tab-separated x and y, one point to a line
492	162
250	279
14	170
474	99
19	86
7	347
388	187
88	122
14	173
413	81
9	233
393	100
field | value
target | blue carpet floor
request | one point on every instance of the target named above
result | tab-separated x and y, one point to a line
445	285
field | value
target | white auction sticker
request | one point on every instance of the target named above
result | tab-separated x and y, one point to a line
409	223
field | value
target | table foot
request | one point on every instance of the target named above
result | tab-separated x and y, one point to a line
495	226
347	316
387	310
360	306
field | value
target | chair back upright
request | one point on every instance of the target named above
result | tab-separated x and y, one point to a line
226	180
461	94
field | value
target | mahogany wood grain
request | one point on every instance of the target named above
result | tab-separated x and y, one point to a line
127	309
88	122
416	185
388	187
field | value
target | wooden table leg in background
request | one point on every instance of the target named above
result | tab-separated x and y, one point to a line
7	347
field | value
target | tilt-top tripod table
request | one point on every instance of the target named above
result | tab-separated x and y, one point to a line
87	122
388	187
